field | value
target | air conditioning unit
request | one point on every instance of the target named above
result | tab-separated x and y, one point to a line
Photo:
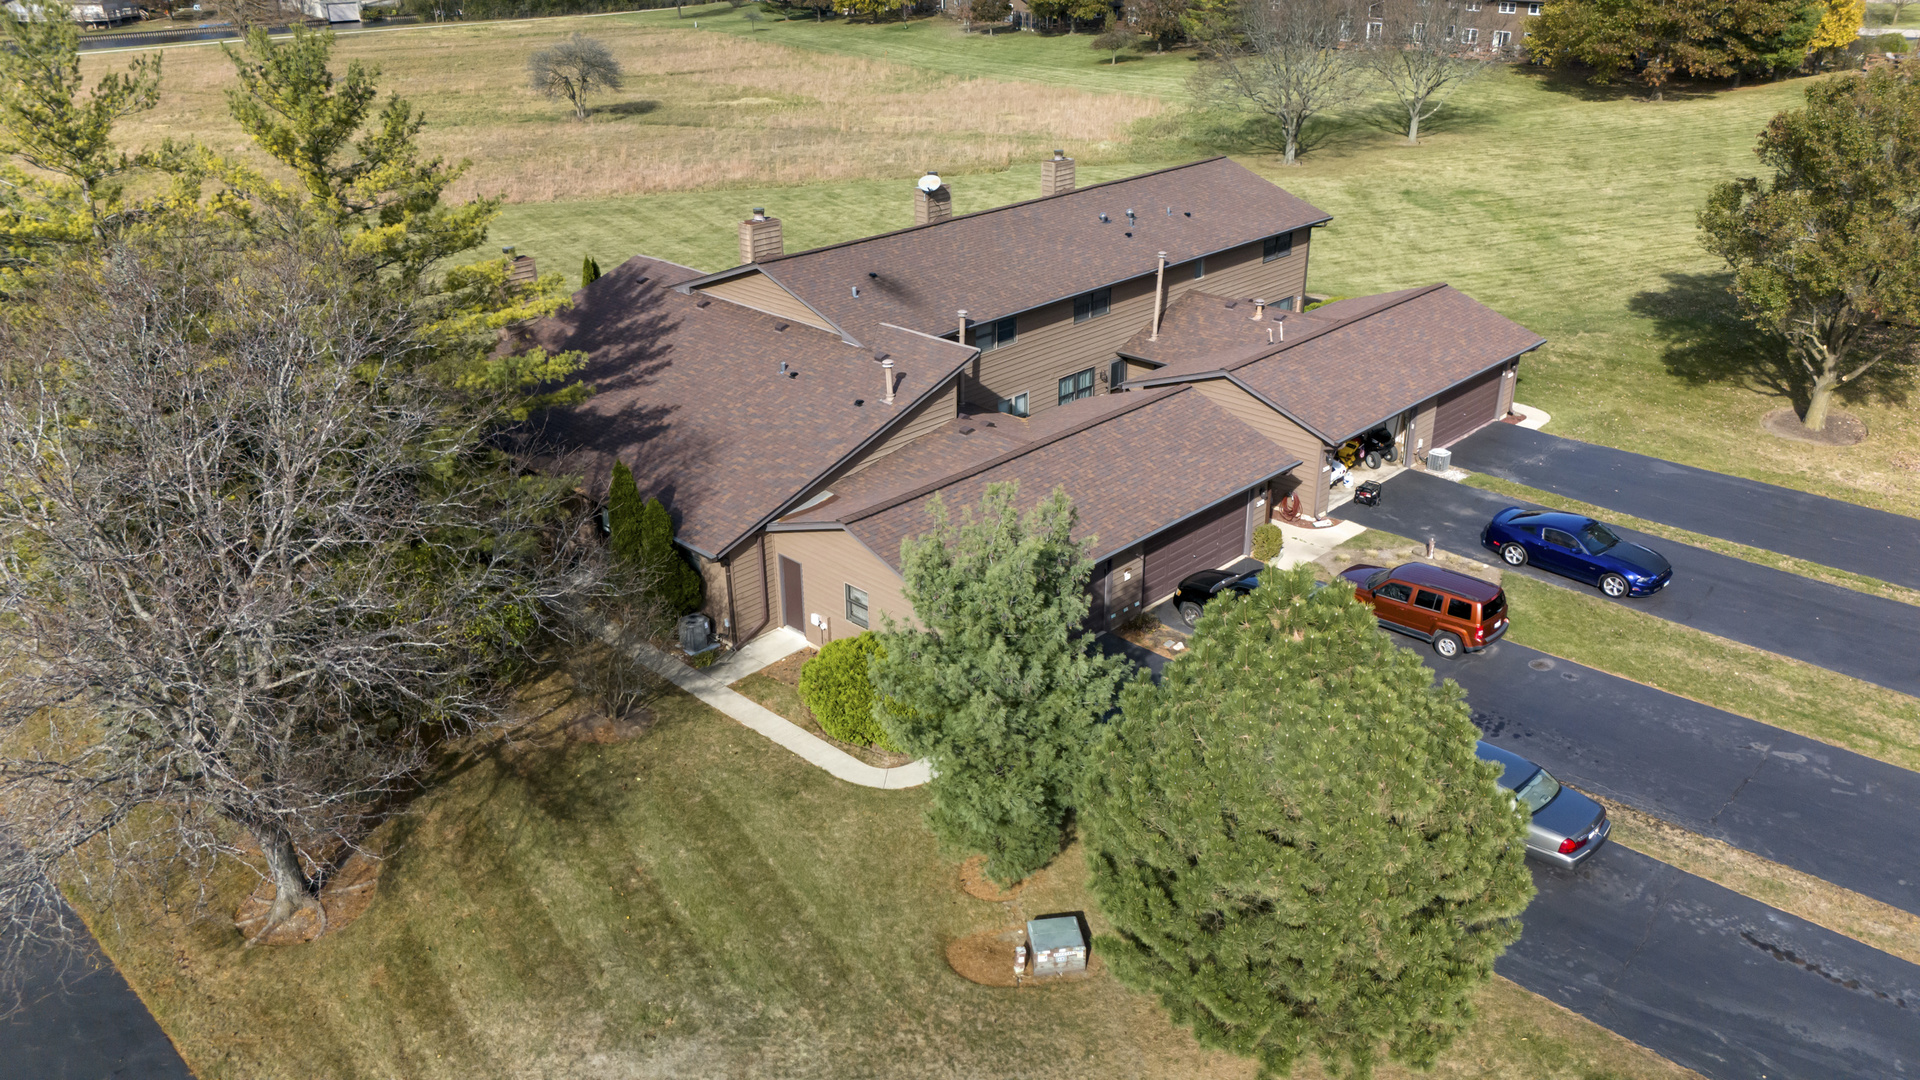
696	634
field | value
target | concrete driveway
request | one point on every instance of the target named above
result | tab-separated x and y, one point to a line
1864	636
1826	531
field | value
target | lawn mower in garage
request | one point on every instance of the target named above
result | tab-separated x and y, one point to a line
1371	448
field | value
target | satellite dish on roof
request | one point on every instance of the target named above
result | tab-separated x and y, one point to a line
929	183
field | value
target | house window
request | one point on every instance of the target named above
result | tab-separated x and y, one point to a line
1116	374
1375	31
1508	7
1199	268
1469	35
1419	33
1533	9
857	607
1284	305
990	336
1088	305
1473	7
1276	247
1076	386
1451	30
1501	38
1015	405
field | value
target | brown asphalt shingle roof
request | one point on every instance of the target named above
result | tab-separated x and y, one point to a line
1012	258
1134	464
690	395
1331	376
1205	332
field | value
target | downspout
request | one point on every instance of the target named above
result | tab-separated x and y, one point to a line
1159	296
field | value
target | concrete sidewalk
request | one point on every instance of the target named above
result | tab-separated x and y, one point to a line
711	687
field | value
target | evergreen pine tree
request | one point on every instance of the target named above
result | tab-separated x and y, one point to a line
589	271
624	505
1001	689
1295	843
679	585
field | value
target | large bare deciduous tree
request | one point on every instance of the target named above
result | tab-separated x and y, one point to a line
1414	52
257	561
572	68
1291	60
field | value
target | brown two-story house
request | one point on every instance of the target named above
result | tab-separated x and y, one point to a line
1139	343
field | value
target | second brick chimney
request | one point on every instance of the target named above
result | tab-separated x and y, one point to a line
932	200
760	237
1056	175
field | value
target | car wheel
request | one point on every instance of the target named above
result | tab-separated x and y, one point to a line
1373	459
1190	611
1613	585
1447	646
1514	554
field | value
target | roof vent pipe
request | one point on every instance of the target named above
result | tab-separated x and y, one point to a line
886	376
962	339
1159	295
1259	310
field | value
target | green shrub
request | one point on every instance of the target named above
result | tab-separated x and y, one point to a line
589	271
1324	303
1267	541
836	686
1890	43
641	537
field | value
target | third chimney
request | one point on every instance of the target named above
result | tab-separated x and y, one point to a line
1056	175
760	237
932	200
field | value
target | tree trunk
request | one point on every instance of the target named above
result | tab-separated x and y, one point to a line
1413	126
1818	400
291	889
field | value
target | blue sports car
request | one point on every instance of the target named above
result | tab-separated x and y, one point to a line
1578	547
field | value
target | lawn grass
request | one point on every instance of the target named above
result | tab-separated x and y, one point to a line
1846	579
697	902
1579	626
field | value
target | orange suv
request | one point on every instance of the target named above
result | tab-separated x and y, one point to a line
1453	611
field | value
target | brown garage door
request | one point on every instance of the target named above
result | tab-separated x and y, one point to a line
1467	408
1202	542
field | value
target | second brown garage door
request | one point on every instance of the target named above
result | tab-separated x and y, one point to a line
1208	539
1467	408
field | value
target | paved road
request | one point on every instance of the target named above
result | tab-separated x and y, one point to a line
1827	531
1864	636
1822	810
81	1021
1712	980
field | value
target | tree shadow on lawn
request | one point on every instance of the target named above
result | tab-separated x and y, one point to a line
1453	118
1574	84
1708	343
625	108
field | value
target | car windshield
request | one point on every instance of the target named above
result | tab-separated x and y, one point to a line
1538	791
1373	582
1597	537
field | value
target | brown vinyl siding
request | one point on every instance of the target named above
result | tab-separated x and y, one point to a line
933	412
759	292
1420	439
1049	346
1249	410
830	560
751	611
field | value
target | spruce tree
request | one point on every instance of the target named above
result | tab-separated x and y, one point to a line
1293	839
1000	688
679	585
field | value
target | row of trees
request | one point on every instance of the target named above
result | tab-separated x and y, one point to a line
1292	836
265	547
1704	39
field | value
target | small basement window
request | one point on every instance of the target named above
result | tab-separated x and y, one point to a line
857	607
1089	305
1276	247
990	336
1076	386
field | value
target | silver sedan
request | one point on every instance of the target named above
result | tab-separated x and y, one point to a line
1566	826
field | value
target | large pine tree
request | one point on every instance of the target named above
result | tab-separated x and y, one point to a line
1294	842
1001	689
641	538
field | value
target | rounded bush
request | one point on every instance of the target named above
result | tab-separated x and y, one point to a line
1267	541
836	686
1890	43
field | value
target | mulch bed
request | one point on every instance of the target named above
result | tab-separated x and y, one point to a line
788	671
1843	428
1153	636
981	887
986	958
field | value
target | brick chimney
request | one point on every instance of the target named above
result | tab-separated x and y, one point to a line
760	237
932	200
1056	176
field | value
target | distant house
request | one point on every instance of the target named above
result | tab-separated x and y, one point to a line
1140	343
87	12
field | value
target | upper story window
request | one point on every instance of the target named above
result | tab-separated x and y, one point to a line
1508	7
1088	305
1076	386
1276	247
857	607
1473	7
1533	9
1199	268
990	336
1015	405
